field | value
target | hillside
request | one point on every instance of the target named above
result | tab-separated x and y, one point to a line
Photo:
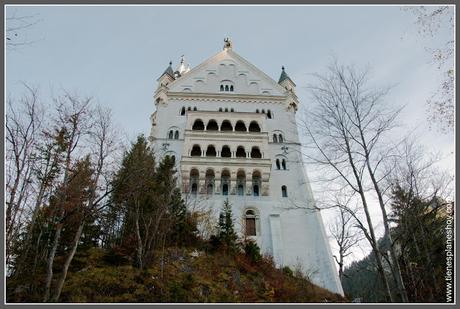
188	275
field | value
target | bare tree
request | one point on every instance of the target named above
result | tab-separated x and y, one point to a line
344	232
347	130
430	21
16	29
24	119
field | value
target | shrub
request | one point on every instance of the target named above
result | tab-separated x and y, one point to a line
252	251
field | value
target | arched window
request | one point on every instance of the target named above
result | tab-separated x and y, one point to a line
221	87
209	181
226	126
240	153
241	182
284	191
226	110
277	164
198	125
220	109
196	151
250	223
195	109
257	111
232	110
283	164
225	153
194	176
182	111
240	126
255	153
189	108
263	111
226	87
280	138
231	87
212	126
269	114
254	127
275	138
176	135
211	151
256	183
170	135
225	180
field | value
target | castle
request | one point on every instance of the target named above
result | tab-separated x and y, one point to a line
232	131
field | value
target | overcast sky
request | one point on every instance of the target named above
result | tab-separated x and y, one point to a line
116	53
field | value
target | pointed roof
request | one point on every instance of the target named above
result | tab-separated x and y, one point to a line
284	76
169	71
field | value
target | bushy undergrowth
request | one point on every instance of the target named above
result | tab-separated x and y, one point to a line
185	275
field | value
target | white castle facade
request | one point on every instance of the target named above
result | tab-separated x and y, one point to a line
232	131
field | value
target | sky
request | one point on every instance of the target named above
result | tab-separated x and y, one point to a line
116	53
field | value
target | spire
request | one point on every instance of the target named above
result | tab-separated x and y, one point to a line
283	76
169	71
183	67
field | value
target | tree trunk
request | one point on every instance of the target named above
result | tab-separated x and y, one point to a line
69	259
50	262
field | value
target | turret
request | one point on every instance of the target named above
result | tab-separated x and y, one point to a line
286	81
167	76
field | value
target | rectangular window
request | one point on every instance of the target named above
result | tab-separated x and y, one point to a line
250	226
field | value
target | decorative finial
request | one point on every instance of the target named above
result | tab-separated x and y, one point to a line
182	59
282	68
227	43
170	62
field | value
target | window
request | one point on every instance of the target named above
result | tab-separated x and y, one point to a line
225	180
226	126
284	191
182	111
226	110
196	151
240	126
250	223
280	138
226	87
283	164
277	164
225	153
240	153
195	109
241	182
255	153
257	111
209	180
269	114
211	151
254	127
212	126
194	188
275	138
221	87
255	190
194	175
176	135
189	108
170	135
231	88
232	110
263	111
220	109
198	125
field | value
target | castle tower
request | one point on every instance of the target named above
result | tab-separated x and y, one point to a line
232	131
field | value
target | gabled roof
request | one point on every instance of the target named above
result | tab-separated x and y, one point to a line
169	71
227	54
